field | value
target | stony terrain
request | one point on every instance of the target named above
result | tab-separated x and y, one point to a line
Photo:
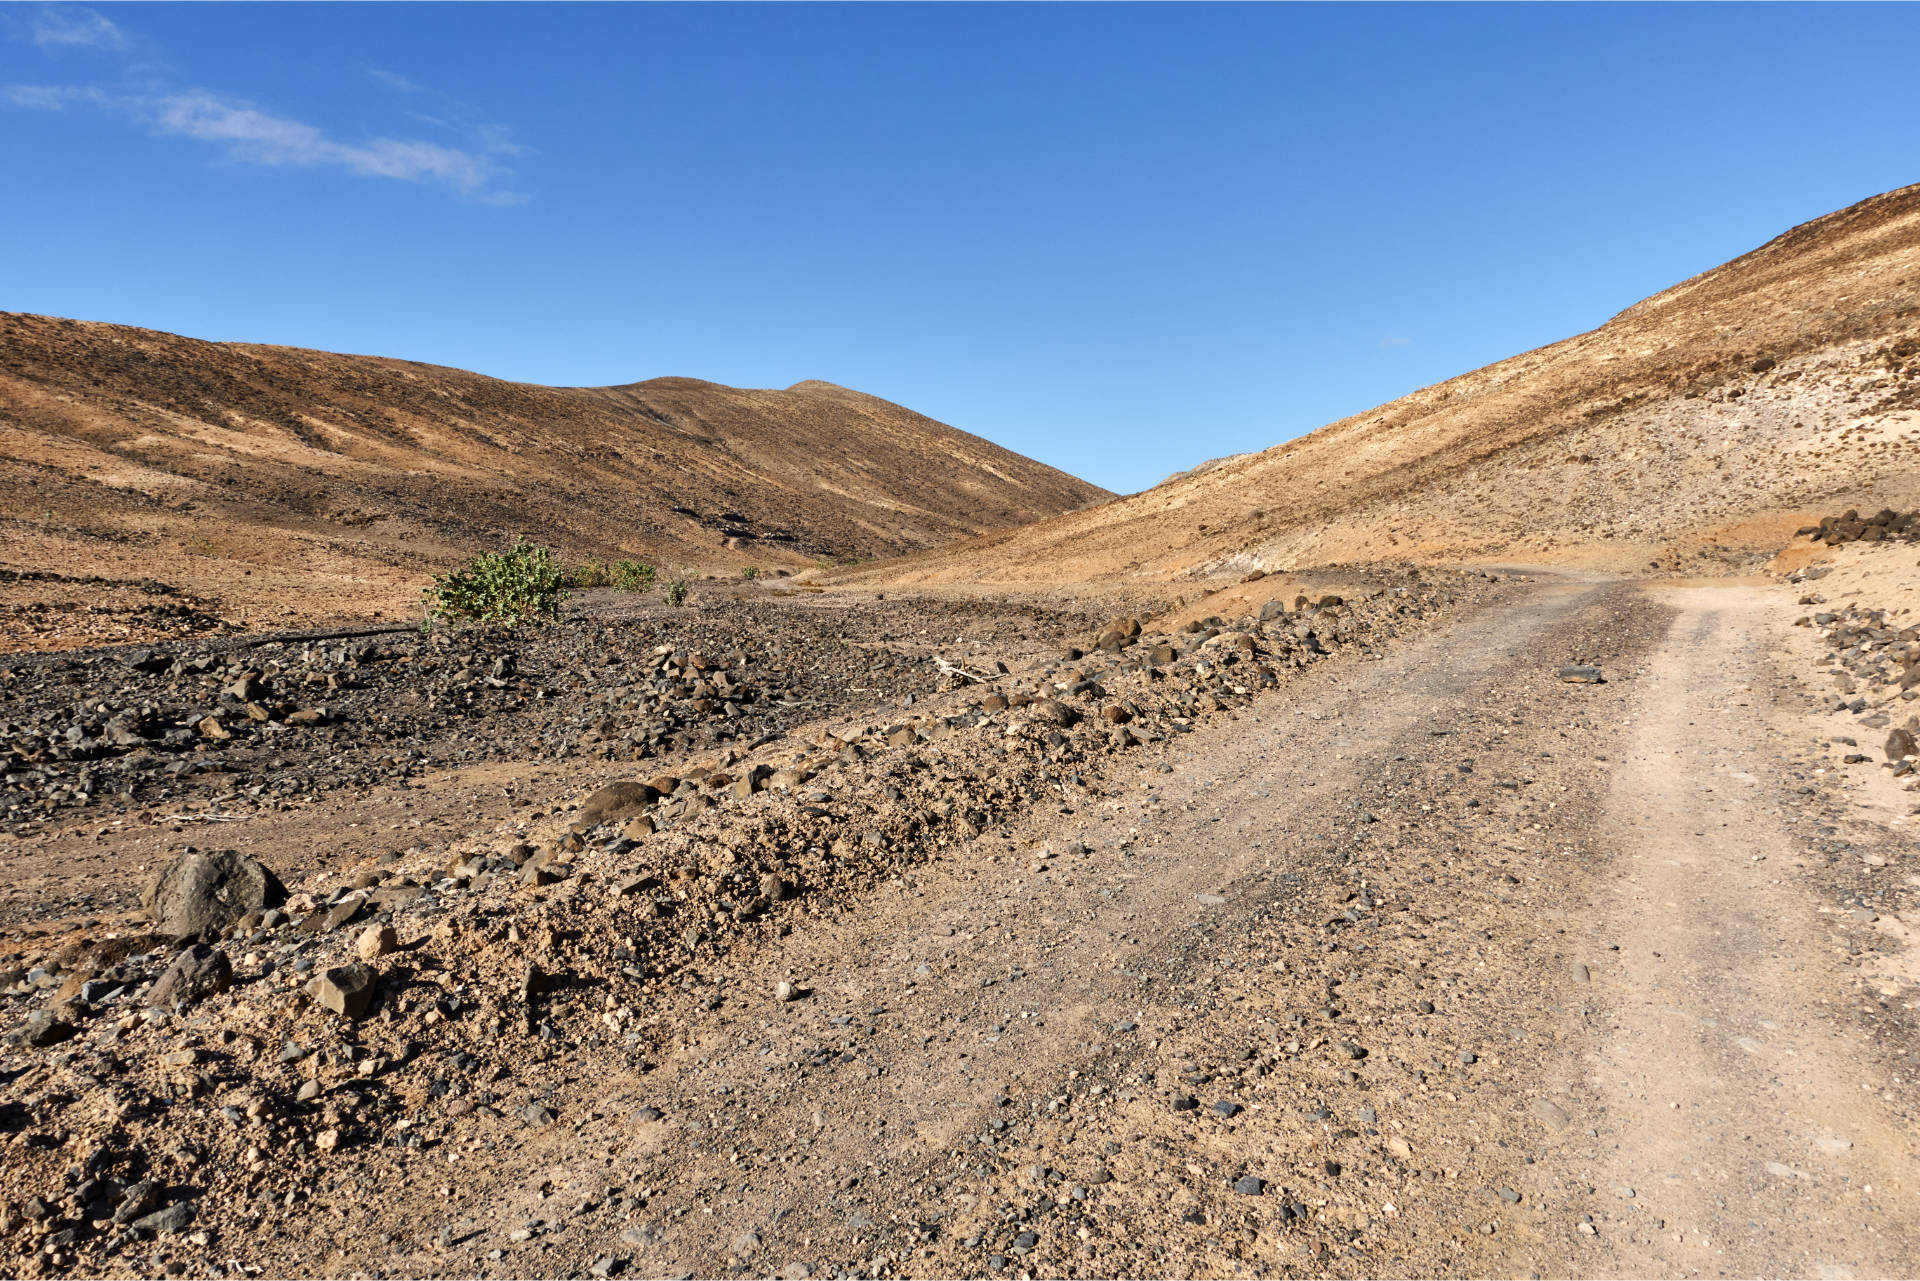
285	487
1310	944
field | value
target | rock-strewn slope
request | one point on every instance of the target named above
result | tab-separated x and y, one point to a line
371	1029
308	482
1699	426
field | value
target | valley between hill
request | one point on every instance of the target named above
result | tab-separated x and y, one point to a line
1476	839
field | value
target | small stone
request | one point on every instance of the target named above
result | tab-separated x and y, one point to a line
344	989
41	1028
535	1115
1581	974
1554	1116
786	991
173	1219
1184	1103
1250	1186
1580	674
1227	1108
647	1114
746	1243
376	941
1509	1196
196	973
139	1199
608	1265
617	800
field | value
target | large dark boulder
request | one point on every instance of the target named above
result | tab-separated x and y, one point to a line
203	891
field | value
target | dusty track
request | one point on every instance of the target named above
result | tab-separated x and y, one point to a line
1735	1103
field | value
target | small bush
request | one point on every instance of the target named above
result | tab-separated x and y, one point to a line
677	592
522	583
632	576
589	573
750	573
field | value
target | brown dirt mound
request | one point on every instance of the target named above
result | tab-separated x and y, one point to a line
293	485
1701	426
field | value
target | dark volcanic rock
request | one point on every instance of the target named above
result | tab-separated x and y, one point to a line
197	973
208	891
617	800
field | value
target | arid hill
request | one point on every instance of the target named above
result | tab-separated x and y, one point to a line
1702	425
296	484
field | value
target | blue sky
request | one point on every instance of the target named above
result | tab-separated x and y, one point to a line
1122	239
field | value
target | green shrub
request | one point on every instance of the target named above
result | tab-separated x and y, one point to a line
521	583
677	591
632	576
750	573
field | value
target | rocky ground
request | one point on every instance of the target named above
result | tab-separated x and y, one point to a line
832	935
278	719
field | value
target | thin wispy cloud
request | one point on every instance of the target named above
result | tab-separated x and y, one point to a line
1394	342
468	158
393	80
451	114
71	27
250	135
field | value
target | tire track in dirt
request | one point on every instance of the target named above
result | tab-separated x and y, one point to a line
1732	1122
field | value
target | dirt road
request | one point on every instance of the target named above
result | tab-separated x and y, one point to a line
1439	967
1428	965
1743	1130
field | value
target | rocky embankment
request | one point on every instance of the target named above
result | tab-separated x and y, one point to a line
179	1079
276	722
1852	527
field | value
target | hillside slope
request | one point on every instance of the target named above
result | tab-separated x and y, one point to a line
1699	426
310	483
